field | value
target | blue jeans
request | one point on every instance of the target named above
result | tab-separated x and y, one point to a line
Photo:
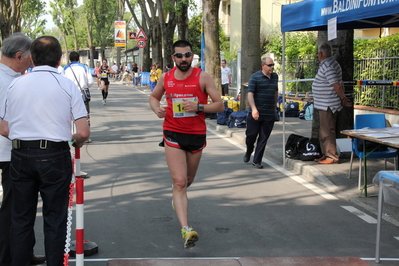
49	173
258	129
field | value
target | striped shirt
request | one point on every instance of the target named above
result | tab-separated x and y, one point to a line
324	94
264	90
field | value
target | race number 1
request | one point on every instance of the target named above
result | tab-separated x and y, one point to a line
178	107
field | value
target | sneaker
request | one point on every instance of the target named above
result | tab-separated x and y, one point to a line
189	237
88	141
104	102
247	157
257	165
84	175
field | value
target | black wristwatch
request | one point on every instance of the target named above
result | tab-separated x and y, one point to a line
200	107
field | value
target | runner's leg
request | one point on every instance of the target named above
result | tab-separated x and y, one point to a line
182	166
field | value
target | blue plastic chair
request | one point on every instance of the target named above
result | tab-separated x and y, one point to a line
370	121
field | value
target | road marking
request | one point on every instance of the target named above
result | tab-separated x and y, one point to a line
382	259
367	218
200	258
291	175
168	258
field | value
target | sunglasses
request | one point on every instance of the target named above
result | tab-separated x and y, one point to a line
180	55
269	65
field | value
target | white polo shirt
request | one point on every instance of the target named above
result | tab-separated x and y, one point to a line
41	105
7	75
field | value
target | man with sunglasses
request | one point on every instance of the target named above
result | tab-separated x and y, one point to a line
184	129
262	98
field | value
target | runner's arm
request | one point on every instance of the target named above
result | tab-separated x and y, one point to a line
209	87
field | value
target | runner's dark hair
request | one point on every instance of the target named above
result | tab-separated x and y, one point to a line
182	43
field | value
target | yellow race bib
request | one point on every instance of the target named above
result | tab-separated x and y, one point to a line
178	107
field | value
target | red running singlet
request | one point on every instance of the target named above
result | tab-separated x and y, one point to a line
177	119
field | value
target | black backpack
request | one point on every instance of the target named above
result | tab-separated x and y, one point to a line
292	109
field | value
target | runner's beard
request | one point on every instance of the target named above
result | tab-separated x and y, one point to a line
183	68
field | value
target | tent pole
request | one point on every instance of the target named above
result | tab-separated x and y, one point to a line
283	98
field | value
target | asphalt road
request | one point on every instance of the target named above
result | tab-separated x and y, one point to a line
238	211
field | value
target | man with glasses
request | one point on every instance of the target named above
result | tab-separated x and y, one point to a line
184	128
262	98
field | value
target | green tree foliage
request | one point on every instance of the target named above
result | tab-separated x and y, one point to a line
62	14
194	33
376	59
103	14
32	24
297	44
301	56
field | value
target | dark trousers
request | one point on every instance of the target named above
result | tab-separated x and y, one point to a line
5	215
225	89
258	131
49	173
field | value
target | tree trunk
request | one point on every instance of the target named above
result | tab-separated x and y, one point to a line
66	45
211	35
167	29
167	48
250	45
10	17
143	24
182	23
90	40
342	48
156	45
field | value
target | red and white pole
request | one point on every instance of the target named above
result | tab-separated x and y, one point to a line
79	212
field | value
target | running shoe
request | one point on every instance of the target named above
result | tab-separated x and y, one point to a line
104	101
189	237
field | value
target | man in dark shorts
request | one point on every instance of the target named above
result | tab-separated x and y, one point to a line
184	134
104	72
